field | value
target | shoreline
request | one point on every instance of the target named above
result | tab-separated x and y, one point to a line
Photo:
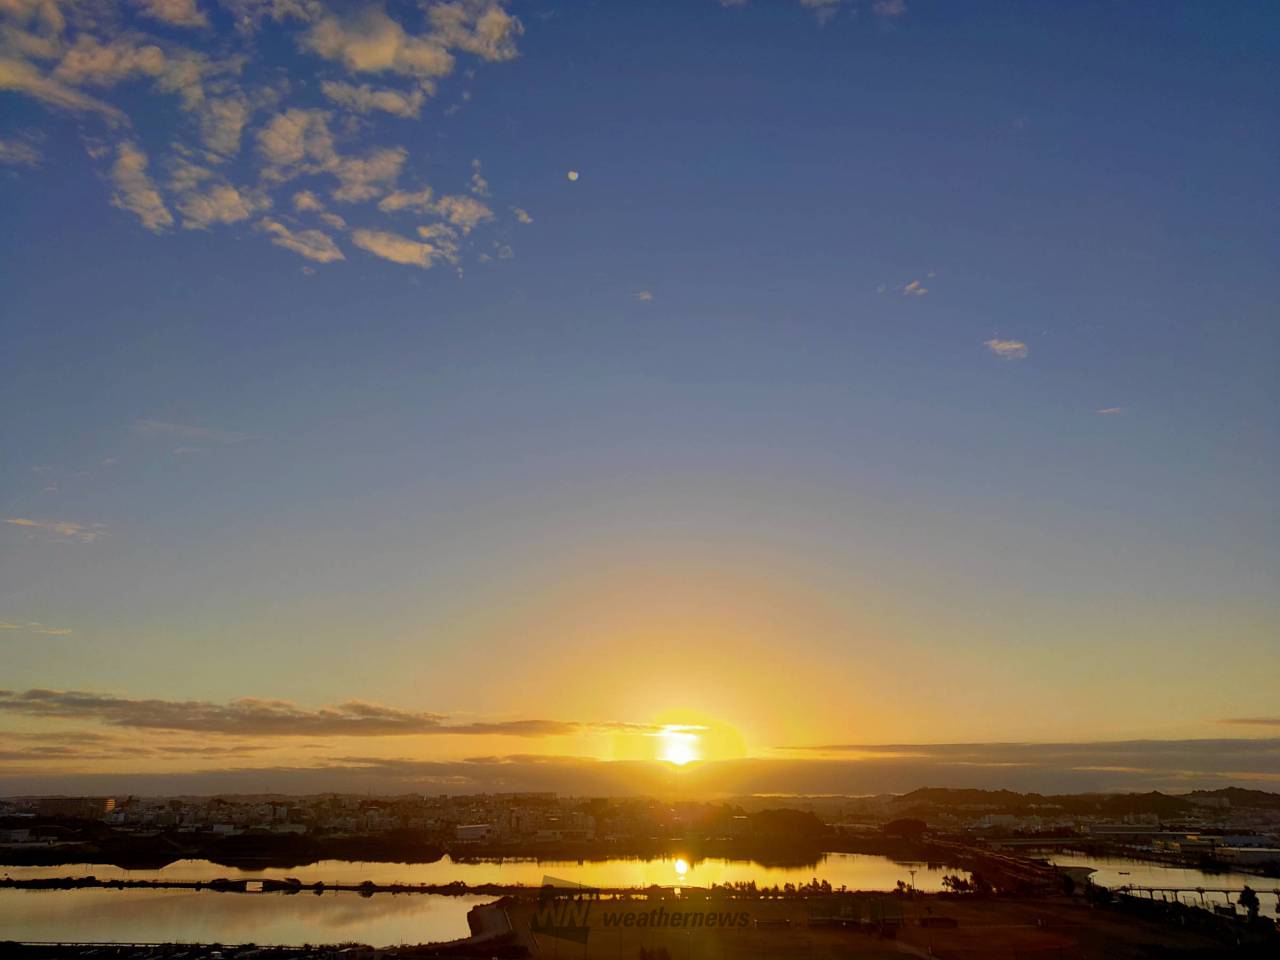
252	852
824	926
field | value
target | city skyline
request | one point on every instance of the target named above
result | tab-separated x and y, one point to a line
704	397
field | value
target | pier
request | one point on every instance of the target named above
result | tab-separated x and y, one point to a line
1151	891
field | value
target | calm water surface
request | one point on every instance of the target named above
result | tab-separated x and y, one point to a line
1117	871
384	919
855	871
135	916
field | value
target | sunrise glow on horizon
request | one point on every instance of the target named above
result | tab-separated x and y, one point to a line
692	398
679	746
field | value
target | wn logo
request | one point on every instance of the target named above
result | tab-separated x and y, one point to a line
564	910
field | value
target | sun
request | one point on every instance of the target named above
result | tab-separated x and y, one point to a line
679	744
680	738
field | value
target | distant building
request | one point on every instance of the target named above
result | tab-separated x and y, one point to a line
1248	856
1115	831
80	808
473	832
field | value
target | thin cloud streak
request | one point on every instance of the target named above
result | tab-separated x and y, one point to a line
1008	349
1174	768
250	716
1142	752
183	431
60	530
36	628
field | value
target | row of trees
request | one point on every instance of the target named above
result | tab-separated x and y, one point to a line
977	884
749	888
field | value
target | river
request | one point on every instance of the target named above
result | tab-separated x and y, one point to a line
381	920
1117	872
386	919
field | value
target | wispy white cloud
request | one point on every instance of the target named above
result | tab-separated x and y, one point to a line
69	55
135	191
176	13
205	87
165	429
479	185
482	28
91	61
249	15
914	289
443	237
1108	411
15	153
219	203
465	213
313	244
1007	349
173	69
304	201
367	99
458	210
522	215
889	9
369	41
37	628
369	176
23	77
251	716
297	142
420	201
222	121
293	137
825	10
398	249
60	529
644	296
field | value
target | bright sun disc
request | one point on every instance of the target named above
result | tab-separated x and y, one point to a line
678	745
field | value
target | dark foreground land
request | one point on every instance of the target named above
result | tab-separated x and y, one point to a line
669	927
958	928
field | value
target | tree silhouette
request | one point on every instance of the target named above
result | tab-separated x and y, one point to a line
956	884
1249	900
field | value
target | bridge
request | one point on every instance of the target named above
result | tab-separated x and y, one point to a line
1199	891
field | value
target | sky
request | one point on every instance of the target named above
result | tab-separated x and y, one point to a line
692	396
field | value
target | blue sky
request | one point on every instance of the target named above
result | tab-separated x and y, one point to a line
879	353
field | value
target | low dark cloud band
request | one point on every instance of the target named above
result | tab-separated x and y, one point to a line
252	717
